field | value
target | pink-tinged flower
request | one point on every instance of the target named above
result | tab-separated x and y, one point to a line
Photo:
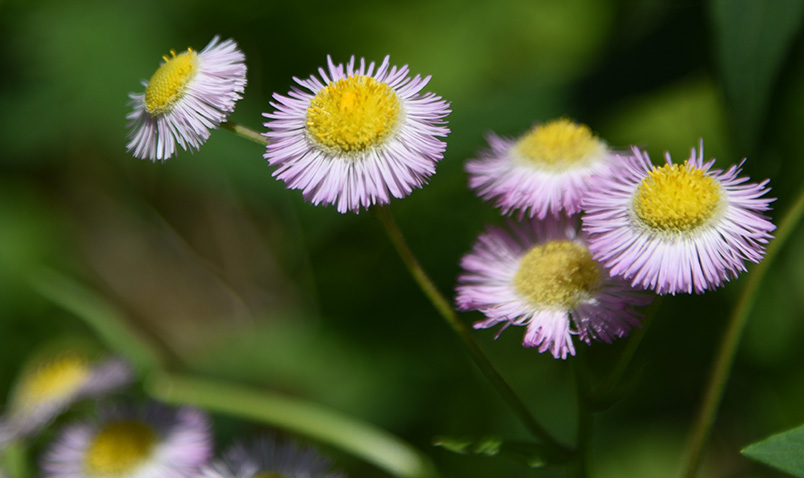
542	276
151	441
357	136
544	172
50	385
678	227
268	457
188	95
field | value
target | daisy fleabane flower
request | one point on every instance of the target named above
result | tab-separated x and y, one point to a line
191	93
50	385
542	276
677	227
544	172
268	457
357	136
129	442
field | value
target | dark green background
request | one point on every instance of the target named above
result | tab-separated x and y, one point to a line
241	279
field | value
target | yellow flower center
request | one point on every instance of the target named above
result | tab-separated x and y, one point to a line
677	198
557	274
52	381
119	448
169	82
353	114
559	144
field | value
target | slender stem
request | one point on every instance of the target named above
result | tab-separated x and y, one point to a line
247	133
702	426
445	309
611	382
585	419
359	438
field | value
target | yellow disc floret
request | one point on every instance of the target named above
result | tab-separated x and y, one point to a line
118	448
353	114
677	198
559	144
557	274
169	83
52	381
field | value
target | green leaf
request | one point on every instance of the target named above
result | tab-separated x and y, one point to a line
782	451
752	39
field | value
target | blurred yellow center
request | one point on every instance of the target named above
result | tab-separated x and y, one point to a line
557	274
119	448
169	82
353	114
559	144
677	198
55	380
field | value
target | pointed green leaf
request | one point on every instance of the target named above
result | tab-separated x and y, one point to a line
784	451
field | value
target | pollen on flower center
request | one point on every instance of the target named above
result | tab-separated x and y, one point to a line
119	447
559	144
53	381
353	114
168	83
557	274
677	198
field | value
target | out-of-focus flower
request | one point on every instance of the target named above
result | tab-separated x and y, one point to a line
544	172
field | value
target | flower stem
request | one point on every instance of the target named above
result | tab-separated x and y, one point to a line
244	132
445	309
702	425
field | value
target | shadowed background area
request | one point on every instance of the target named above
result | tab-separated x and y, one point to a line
235	277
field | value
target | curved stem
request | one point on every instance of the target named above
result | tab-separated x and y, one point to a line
244	132
445	309
325	425
702	426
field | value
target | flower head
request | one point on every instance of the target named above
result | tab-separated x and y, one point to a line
357	136
678	227
542	276
50	386
190	93
152	441
545	171
268	457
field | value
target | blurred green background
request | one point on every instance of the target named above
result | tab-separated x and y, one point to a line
237	278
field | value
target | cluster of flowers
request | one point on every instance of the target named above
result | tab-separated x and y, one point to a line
136	441
597	228
601	230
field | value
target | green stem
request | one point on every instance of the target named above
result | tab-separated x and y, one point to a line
244	132
606	389
585	418
702	425
353	436
445	309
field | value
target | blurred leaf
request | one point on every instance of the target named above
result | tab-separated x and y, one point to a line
296	415
14	461
752	38
107	322
782	451
533	455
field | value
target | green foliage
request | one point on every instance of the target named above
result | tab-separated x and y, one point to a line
782	451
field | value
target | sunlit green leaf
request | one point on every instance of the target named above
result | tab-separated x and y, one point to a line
782	451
